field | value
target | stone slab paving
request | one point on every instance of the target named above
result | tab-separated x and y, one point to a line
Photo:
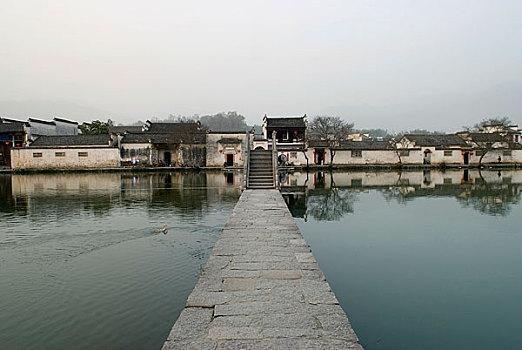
261	288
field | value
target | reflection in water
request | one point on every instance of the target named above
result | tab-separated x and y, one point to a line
418	259
329	196
80	262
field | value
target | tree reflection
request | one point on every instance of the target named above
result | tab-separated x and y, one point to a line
491	199
331	197
330	204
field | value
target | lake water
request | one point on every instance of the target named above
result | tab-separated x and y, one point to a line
420	259
81	266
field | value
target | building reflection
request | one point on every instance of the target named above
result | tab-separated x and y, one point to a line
322	195
331	195
42	195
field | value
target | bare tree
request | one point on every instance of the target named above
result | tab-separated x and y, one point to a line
499	121
399	146
333	130
487	142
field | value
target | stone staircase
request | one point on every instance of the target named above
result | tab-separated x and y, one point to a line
261	173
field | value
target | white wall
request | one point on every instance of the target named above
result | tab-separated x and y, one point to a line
344	157
492	157
217	151
24	158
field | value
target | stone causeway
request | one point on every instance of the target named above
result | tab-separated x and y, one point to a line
261	288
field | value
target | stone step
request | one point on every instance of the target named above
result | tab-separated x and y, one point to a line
261	173
260	163
260	187
269	180
256	156
262	167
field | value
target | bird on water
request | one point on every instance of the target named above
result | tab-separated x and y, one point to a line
163	229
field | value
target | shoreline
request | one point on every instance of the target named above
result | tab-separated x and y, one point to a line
313	167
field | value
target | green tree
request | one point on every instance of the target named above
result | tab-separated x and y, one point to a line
96	127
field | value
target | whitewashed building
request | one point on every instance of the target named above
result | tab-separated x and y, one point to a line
226	149
67	152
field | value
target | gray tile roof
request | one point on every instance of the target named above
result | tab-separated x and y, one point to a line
6	128
120	129
487	137
285	122
72	140
177	132
64	121
180	128
436	140
365	145
33	120
145	137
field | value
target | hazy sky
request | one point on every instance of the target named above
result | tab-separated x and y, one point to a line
394	64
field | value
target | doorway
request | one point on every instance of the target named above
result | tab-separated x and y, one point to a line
319	156
466	158
427	156
167	158
229	160
5	154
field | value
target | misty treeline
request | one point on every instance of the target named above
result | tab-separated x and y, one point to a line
233	121
224	121
385	133
477	127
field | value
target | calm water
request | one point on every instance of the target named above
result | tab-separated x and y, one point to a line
80	265
419	260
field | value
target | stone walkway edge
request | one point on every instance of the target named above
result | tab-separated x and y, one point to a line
261	288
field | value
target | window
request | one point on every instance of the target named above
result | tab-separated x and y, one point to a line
506	153
356	153
59	154
37	155
479	153
83	154
404	153
293	154
447	180
448	153
356	182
